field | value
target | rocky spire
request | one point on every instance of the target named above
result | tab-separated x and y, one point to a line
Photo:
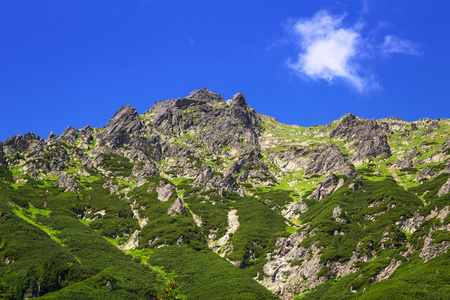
126	119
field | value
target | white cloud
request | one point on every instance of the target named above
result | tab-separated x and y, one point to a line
330	51
394	44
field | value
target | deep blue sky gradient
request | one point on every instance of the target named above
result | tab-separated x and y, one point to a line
76	62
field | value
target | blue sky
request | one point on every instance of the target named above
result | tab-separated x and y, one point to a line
303	62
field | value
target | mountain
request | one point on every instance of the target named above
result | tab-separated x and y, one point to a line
202	198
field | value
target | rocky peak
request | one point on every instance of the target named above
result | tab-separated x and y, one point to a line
366	137
51	136
117	132
20	143
126	119
205	95
239	100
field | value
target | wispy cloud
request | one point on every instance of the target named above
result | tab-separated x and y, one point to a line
331	51
394	44
327	49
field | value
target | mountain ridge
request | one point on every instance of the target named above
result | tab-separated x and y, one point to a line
296	208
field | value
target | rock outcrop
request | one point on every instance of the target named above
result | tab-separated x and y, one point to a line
326	187
66	180
205	95
177	208
330	160
117	132
165	192
445	188
365	137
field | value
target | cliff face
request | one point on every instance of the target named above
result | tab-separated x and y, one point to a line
294	207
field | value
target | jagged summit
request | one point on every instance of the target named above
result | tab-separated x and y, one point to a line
205	95
126	119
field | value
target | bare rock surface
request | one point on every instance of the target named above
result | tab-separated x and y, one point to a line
444	189
387	272
366	137
205	95
330	160
66	180
177	208
165	192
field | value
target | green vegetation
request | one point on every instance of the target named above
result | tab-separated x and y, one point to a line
393	203
219	280
117	164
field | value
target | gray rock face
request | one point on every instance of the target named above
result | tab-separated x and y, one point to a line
387	272
444	189
447	168
117	132
51	136
405	164
239	100
204	175
434	126
205	95
219	125
366	137
20	143
330	160
126	119
326	187
445	145
165	192
66	180
410	225
426	172
177	208
70	135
